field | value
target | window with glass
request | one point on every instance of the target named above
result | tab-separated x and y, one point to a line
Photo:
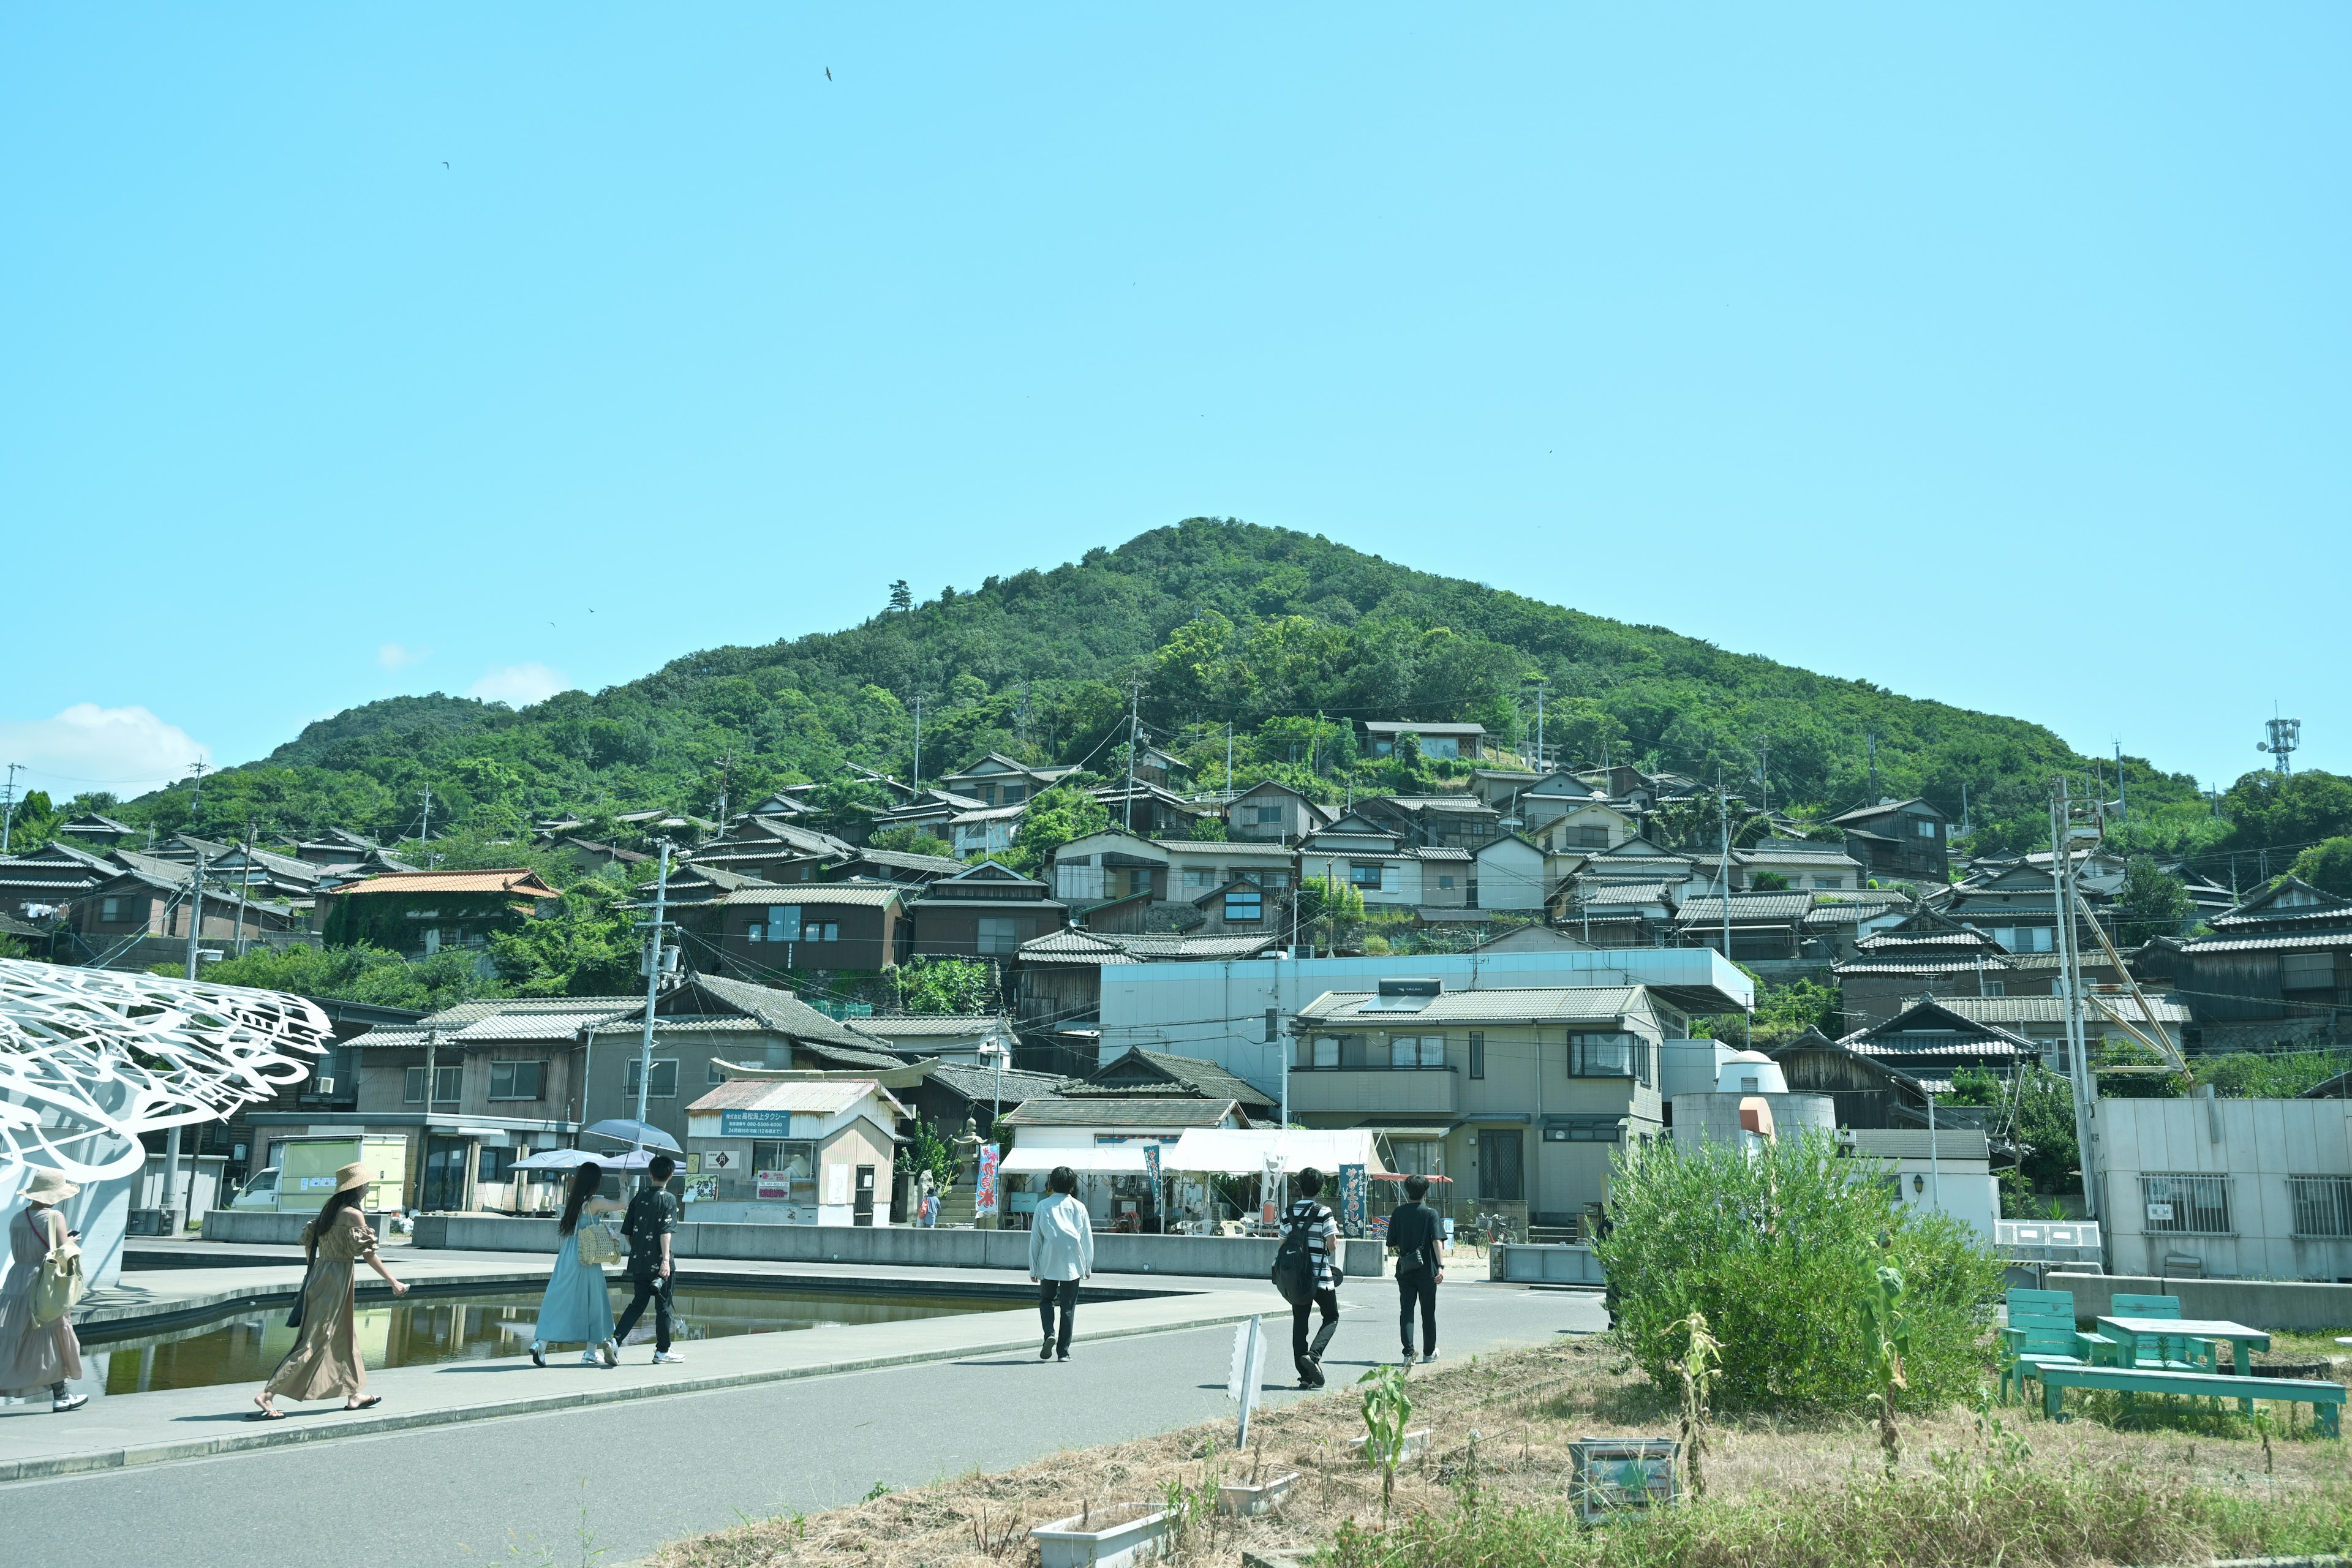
1363	876
1416	1051
1332	1051
783	923
1269	815
2307	972
496	1165
1601	1056
447	1081
998	936
1583	837
2187	1204
1244	905
783	1170
1477	1053
516	1080
664	1079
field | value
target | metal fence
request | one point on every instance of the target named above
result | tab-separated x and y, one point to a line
2323	1204
2187	1204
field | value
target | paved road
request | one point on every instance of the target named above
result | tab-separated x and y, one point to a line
662	1468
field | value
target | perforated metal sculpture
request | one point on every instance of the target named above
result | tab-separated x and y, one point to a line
90	1059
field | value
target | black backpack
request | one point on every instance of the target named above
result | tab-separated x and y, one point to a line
1294	1262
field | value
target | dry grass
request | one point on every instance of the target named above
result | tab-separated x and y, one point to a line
1501	1427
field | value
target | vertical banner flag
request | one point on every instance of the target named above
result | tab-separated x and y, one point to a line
984	1192
1151	1161
1354	1199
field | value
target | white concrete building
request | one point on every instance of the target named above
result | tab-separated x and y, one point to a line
2246	1189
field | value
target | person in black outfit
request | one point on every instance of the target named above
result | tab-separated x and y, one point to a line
1322	1228
1413	1236
651	1221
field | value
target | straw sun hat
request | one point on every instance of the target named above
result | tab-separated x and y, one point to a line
48	1186
352	1175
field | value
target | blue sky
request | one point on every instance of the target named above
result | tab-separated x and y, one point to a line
1996	357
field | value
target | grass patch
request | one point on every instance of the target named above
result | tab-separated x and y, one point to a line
1960	1512
1989	1488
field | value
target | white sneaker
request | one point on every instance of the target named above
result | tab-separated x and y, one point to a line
611	1351
538	1352
668	1358
589	1358
70	1401
1429	1357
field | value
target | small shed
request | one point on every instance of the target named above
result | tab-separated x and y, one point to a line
811	1149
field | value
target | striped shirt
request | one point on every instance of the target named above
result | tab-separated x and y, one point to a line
1322	1232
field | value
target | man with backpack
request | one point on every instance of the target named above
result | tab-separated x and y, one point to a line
1414	1234
1307	1271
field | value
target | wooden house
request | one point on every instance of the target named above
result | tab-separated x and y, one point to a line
2277	966
983	912
1899	840
1882	1075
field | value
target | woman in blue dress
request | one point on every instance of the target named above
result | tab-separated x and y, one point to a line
577	1308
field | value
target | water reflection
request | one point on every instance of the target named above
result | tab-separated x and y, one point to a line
247	1346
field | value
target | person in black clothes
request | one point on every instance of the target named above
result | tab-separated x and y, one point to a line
651	1221
1413	1236
1322	1228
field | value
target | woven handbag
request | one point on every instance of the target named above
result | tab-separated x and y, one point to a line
59	1283
597	1247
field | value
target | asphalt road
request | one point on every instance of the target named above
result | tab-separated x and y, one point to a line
524	1489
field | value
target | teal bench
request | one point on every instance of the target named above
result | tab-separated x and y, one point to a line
2325	1399
2041	1332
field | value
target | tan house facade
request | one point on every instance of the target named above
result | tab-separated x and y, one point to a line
1520	1095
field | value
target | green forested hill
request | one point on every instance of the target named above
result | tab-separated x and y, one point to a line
1217	623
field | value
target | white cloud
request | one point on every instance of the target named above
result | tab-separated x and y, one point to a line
125	750
518	685
393	655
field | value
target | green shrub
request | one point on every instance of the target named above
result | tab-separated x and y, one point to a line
1772	1247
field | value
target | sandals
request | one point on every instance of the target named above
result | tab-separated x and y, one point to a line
370	1402
266	1413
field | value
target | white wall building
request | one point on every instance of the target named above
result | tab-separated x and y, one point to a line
1234	1011
2247	1189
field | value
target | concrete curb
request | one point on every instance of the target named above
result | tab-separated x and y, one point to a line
273	1434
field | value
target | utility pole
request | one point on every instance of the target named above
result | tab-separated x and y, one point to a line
432	1077
2123	792
170	1205
8	815
196	771
1723	882
1764	774
918	750
424	833
2069	971
726	765
244	884
1543	758
1229	760
1134	743
653	980
1964	811
1870	744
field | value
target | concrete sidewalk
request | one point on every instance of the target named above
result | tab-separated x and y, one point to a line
179	1424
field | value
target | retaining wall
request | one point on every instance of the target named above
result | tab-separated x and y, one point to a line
1521	1263
2278	1304
1214	1256
269	1227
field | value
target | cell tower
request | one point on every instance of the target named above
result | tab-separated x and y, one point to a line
2286	736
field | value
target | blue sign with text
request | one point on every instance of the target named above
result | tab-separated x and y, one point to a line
755	1124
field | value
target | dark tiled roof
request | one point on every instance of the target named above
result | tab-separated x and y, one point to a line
1117	1111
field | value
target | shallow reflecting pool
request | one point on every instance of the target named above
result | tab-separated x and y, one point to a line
246	1345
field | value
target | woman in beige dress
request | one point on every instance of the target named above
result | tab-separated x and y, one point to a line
38	1358
325	1361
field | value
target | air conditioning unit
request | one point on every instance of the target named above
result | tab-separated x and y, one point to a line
326	1086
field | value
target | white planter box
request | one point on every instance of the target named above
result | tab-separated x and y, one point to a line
1243	1501
1109	1537
1414	1444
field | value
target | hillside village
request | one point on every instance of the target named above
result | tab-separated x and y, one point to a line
1023	904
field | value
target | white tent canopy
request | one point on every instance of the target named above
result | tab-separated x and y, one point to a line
1101	1160
1246	1151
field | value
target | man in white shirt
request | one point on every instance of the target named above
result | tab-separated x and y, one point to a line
1061	1254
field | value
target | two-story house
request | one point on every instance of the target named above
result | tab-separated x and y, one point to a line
1898	840
1268	811
985	912
996	779
1520	1095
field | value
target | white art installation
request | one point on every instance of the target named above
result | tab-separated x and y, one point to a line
90	1059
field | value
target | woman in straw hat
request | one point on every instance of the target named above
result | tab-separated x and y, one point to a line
325	1361
36	1358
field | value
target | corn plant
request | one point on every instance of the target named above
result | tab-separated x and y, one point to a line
1700	1364
1886	1336
1387	1410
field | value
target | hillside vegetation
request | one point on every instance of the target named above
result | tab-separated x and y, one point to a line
1212	623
